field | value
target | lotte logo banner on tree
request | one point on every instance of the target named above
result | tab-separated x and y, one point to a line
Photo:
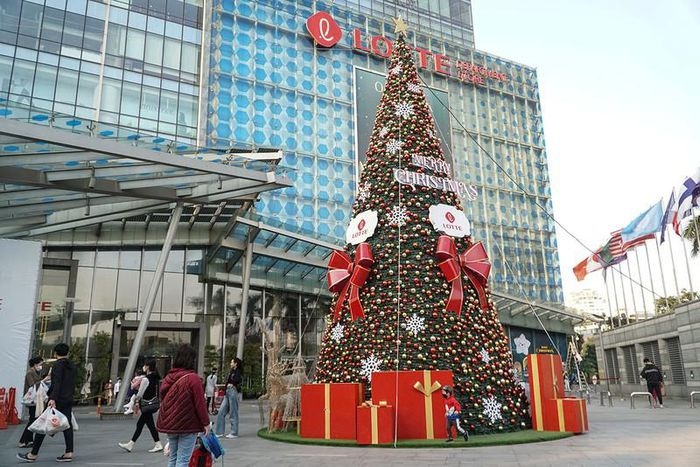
413	294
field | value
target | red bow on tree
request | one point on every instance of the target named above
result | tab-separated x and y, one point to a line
344	274
474	262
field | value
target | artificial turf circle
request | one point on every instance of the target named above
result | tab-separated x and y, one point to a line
497	439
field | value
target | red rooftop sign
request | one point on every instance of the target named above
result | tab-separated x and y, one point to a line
326	32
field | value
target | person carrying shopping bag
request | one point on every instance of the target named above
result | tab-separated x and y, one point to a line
60	395
183	409
31	383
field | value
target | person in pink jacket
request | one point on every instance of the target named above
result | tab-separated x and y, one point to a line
183	410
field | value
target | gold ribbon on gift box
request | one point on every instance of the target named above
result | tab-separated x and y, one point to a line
327	410
431	388
374	418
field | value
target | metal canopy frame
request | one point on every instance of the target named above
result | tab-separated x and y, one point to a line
52	179
514	305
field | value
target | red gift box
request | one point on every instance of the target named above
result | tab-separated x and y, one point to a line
329	410
550	409
375	424
571	415
418	404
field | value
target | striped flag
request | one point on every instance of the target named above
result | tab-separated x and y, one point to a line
668	215
685	201
612	252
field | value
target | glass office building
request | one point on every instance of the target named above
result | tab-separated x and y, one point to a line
228	74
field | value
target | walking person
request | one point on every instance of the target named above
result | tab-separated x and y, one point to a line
117	387
210	390
183	411
452	412
32	379
654	379
230	403
108	392
60	395
148	390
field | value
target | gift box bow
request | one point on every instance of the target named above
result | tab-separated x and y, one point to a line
474	263
348	277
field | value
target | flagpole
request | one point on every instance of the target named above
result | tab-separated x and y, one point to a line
695	222
629	276
607	294
624	296
641	286
617	305
687	265
673	264
651	277
661	268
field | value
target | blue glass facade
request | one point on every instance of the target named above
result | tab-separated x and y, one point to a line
269	85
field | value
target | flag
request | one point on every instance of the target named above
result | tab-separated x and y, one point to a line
685	202
668	215
589	264
612	252
643	227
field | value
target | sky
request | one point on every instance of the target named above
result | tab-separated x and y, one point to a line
620	103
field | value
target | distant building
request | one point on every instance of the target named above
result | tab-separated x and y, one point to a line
589	301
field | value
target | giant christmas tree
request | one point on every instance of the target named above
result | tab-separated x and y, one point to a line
412	294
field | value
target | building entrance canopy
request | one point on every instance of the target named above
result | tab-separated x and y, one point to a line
60	172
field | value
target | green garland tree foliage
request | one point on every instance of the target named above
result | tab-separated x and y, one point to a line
405	324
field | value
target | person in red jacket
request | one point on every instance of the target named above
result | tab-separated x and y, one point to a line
183	409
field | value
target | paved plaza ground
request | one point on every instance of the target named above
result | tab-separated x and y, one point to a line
619	436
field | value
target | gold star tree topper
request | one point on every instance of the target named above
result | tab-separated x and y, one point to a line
400	25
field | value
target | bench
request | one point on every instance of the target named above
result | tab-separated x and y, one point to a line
640	393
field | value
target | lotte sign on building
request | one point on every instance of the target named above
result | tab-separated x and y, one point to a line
326	33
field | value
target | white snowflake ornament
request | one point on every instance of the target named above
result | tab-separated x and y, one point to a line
403	109
364	191
337	332
394	145
414	324
398	216
369	366
413	87
492	409
396	70
485	357
383	132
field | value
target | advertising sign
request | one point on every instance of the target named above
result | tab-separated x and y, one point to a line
20	270
361	227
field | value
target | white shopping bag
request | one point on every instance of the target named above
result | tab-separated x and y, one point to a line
74	422
29	397
50	422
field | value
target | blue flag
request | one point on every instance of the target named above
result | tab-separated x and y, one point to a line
643	227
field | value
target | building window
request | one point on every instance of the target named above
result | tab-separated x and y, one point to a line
676	357
651	351
631	365
613	367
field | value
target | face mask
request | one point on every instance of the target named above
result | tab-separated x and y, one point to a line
39	367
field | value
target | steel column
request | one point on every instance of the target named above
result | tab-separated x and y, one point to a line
150	300
244	298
